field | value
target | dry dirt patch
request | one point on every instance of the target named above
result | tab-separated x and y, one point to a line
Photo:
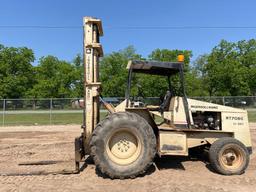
30	156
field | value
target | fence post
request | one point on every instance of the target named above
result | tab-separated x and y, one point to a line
4	112
223	100
50	111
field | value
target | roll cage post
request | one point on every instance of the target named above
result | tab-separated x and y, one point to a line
128	89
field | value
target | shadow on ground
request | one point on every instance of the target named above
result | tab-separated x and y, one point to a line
168	162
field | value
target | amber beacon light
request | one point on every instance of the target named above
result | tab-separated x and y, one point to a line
180	58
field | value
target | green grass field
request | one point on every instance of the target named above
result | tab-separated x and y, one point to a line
44	119
252	116
60	118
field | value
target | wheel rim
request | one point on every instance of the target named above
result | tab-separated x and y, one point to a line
231	158
123	147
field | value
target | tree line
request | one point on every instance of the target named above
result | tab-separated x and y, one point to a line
228	70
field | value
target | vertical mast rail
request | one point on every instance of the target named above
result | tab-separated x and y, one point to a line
92	52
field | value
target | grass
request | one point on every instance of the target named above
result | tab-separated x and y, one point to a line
61	118
44	119
252	116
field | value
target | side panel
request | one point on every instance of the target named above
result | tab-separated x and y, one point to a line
173	143
237	123
177	141
198	138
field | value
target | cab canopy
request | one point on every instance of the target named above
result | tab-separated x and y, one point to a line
155	67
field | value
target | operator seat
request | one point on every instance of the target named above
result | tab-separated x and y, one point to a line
166	102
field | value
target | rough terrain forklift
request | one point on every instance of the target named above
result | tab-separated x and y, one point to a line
125	143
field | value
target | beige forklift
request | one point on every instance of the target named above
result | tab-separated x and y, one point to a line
125	143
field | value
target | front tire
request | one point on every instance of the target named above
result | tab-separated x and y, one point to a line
228	156
123	145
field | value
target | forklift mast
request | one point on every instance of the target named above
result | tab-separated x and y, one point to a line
92	51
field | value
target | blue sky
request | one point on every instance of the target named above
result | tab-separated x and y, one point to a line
66	43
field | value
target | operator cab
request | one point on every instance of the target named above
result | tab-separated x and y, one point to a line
165	69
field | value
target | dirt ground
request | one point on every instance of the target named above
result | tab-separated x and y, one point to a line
32	158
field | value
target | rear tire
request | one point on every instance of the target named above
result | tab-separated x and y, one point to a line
123	145
228	156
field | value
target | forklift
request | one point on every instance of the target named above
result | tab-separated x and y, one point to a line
125	143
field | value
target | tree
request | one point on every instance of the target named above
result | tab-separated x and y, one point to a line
113	72
230	68
156	85
79	76
54	79
199	73
247	52
16	71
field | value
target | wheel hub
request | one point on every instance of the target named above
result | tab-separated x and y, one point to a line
123	147
231	158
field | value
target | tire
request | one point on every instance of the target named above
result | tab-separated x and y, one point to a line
123	145
228	156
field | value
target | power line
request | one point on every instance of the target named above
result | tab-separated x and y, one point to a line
128	27
38	27
182	27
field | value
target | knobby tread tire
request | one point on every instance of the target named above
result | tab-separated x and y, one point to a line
99	141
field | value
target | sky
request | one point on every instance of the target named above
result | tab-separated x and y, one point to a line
121	20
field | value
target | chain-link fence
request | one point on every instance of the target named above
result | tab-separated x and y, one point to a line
233	101
67	111
40	111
